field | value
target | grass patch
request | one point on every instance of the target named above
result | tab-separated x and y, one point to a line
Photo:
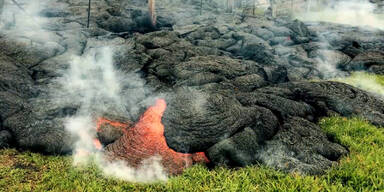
362	170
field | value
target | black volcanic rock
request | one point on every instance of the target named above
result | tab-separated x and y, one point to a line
372	61
299	144
41	128
243	113
5	139
196	120
328	98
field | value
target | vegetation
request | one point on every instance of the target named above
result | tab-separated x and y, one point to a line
361	170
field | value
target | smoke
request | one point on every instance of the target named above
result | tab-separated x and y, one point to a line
276	154
368	82
22	24
23	17
352	12
93	85
327	61
359	13
92	82
150	170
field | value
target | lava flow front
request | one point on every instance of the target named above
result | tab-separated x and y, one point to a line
146	139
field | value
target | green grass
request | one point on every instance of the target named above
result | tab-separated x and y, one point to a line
362	170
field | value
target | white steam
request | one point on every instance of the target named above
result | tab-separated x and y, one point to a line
150	170
351	12
359	13
365	81
92	83
327	61
25	26
24	18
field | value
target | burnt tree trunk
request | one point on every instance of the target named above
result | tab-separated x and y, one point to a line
152	12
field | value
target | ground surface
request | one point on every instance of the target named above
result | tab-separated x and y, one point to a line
237	88
361	170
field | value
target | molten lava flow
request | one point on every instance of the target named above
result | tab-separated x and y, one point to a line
97	144
146	139
103	121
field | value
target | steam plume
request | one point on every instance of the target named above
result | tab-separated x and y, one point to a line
92	83
342	12
352	12
365	81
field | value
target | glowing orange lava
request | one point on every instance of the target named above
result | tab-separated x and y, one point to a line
146	139
103	121
97	144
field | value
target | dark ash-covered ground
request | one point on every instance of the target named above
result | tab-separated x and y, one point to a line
237	88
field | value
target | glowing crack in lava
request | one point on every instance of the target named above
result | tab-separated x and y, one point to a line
146	139
102	121
97	144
